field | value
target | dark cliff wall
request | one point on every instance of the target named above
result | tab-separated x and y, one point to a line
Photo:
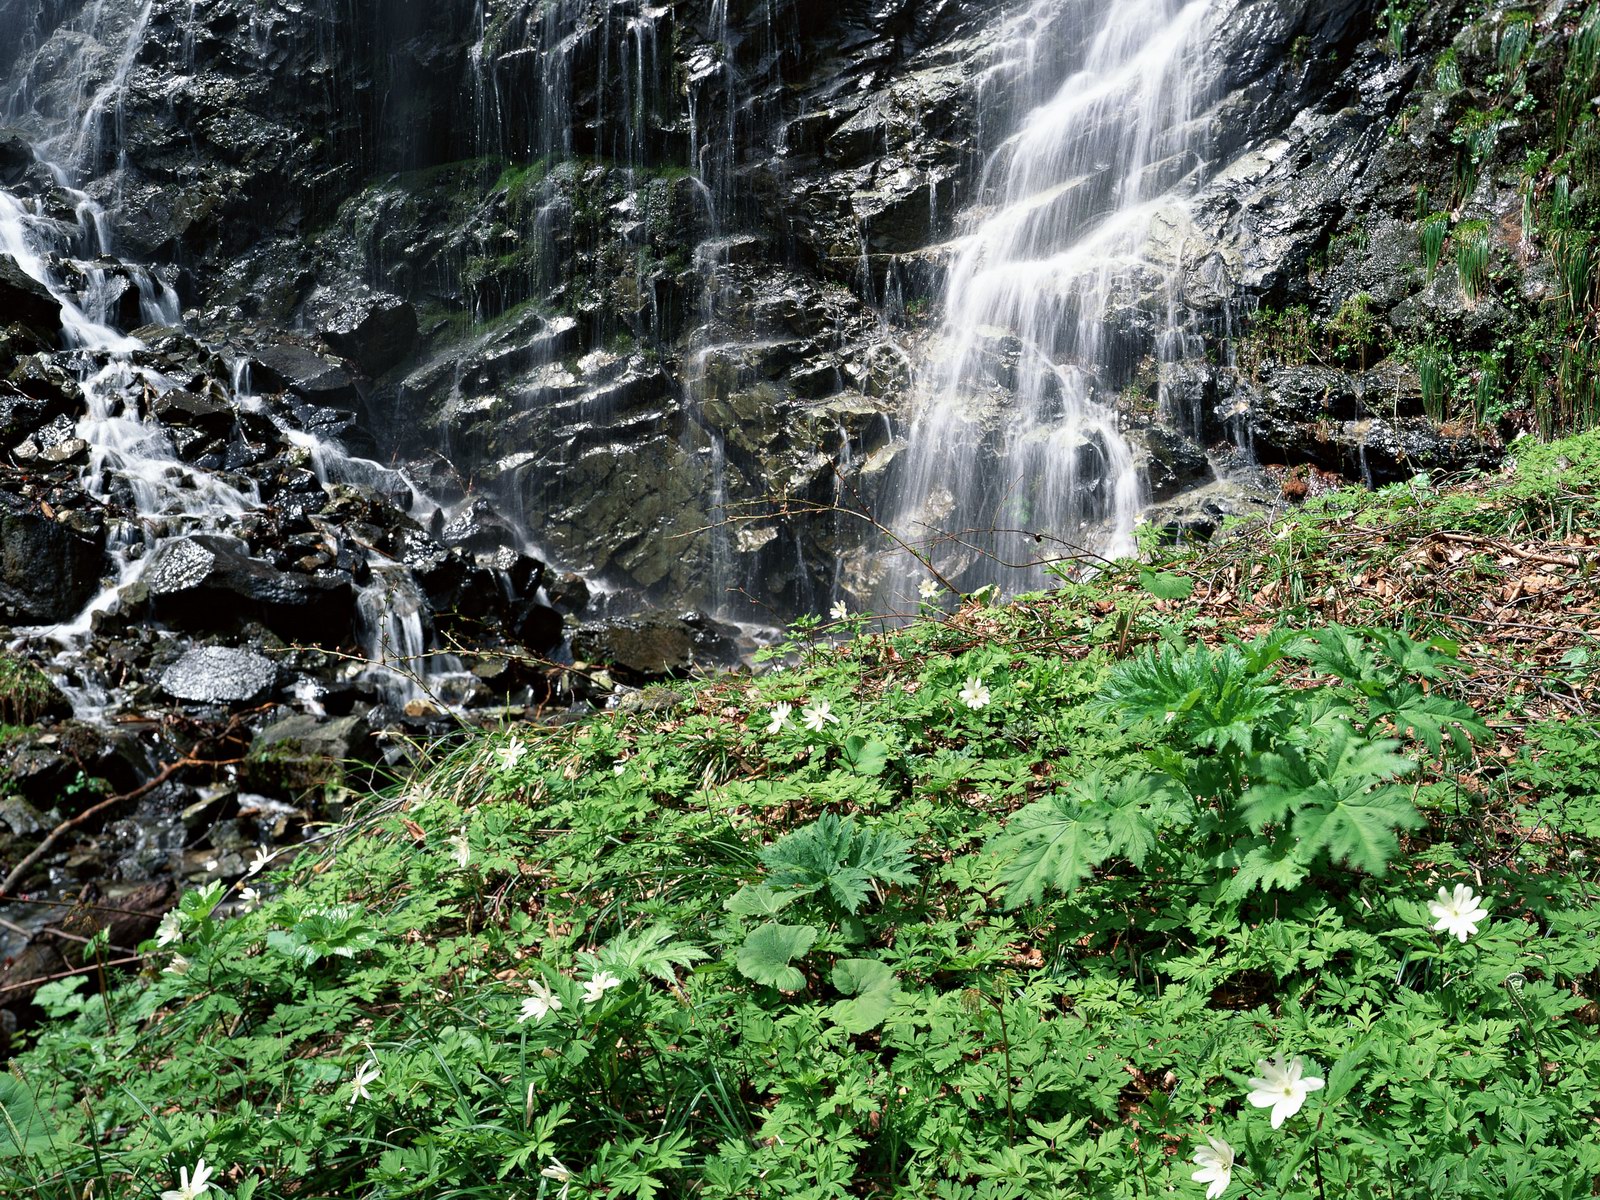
663	272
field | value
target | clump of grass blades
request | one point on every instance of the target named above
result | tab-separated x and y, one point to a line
1514	41
1580	78
1572	252
1431	366
1472	257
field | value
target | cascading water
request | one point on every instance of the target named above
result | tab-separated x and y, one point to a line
1015	455
133	466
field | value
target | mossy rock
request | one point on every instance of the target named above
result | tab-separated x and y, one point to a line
27	695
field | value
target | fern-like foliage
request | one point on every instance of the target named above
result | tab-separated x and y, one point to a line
839	859
651	951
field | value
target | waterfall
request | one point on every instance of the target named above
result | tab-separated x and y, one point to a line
1014	454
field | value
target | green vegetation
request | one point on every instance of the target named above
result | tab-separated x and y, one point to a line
26	694
1022	900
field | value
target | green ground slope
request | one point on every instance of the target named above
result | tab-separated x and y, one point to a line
1012	902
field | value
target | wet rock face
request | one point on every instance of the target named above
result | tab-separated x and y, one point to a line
656	645
26	302
210	582
220	675
50	564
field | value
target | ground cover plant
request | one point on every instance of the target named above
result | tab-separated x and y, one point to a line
1266	868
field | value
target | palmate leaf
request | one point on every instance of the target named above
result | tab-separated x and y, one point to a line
1216	698
650	952
1430	718
1336	802
767	951
838	858
1268	867
24	1128
873	988
1058	842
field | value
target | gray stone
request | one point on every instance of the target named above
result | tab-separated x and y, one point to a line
219	675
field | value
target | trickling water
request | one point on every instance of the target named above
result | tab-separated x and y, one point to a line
1013	432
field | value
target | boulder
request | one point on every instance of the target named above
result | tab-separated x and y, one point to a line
376	331
291	367
22	415
52	768
220	675
28	302
302	753
210	582
48	569
16	157
656	645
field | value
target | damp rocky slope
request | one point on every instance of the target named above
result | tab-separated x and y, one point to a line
538	331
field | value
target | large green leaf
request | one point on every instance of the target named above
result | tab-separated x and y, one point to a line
838	858
873	988
1337	802
23	1128
767	951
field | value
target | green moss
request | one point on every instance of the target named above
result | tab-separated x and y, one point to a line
26	693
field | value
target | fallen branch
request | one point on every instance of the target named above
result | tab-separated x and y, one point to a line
84	970
150	785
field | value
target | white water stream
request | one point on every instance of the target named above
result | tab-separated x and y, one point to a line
1011	433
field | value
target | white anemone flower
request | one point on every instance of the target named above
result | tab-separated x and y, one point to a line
178	966
1216	1166
171	929
927	589
1458	912
558	1172
780	716
839	612
249	899
976	694
818	716
262	858
366	1073
460	850
509	755
1282	1087
599	984
540	1004
190	1186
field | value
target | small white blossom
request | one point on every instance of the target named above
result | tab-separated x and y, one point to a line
190	1186
1282	1087
1216	1166
780	716
509	755
560	1174
366	1073
818	716
975	695
171	929
262	858
839	612
178	966
249	898
619	768
599	984
460	850
541	1004
1458	912
927	589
